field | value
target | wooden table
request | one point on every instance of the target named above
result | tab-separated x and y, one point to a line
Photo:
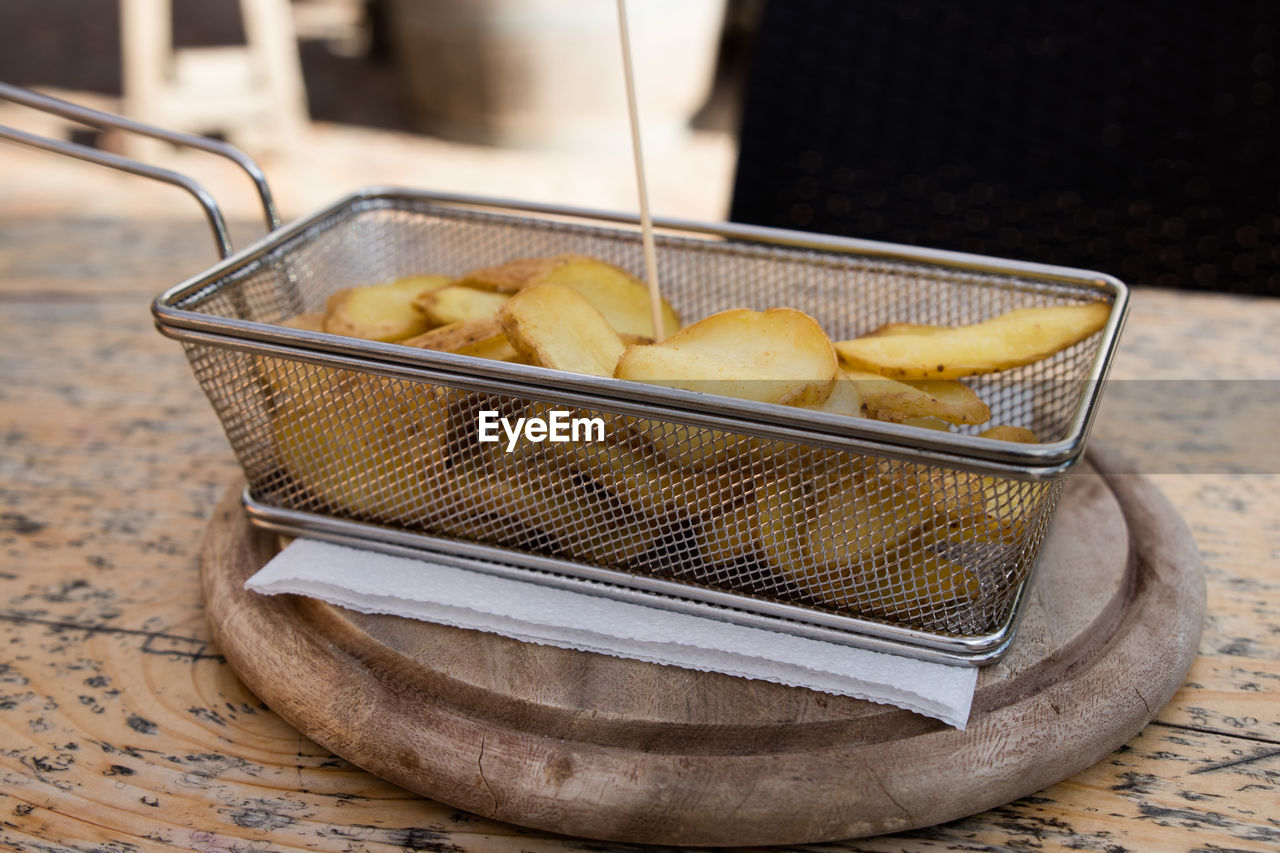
122	728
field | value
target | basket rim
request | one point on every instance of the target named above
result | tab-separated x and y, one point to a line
1027	461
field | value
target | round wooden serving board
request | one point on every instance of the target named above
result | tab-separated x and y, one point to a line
597	746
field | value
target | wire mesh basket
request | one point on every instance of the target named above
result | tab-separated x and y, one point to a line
864	532
861	532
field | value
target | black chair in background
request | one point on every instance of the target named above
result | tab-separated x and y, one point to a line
1135	137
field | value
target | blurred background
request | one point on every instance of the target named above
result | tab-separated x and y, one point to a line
1136	138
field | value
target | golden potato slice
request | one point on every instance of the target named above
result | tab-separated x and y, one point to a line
852	544
631	471
889	329
284	378
622	298
972	506
775	356
454	304
497	348
380	312
554	326
384	465
1010	340
898	402
937	424
918	585
1004	432
549	512
845	399
309	322
511	277
457	336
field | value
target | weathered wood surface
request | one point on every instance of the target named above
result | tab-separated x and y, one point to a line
597	746
122	728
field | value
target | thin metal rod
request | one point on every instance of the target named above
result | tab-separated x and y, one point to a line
124	164
97	118
646	222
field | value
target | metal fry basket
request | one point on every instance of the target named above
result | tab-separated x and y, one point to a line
881	535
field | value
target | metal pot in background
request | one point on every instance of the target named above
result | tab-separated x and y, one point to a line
548	73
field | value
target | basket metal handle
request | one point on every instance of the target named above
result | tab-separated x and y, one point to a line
97	118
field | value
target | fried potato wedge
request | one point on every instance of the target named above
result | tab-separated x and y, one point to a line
457	336
453	304
1019	337
549	513
383	466
312	321
1004	432
482	338
922	585
554	326
899	402
380	312
844	399
512	276
850	544
775	356
621	297
284	378
889	329
630	470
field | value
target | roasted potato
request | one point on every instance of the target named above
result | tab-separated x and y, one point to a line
621	297
1004	432
633	472
1010	340
380	312
844	399
383	466
550	512
775	356
285	378
453	304
553	326
899	402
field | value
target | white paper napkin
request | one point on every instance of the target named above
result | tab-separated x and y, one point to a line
372	582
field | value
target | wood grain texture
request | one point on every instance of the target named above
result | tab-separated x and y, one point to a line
122	728
621	750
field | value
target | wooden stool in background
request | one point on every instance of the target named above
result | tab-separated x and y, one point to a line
250	94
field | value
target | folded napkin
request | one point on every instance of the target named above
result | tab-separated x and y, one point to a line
372	582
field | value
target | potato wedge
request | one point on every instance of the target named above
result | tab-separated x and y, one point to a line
1004	432
380	312
549	513
384	466
286	378
936	424
920	585
309	322
850	544
775	356
453	304
899	402
630	470
845	399
457	336
1010	340
554	326
511	277
622	298
889	329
